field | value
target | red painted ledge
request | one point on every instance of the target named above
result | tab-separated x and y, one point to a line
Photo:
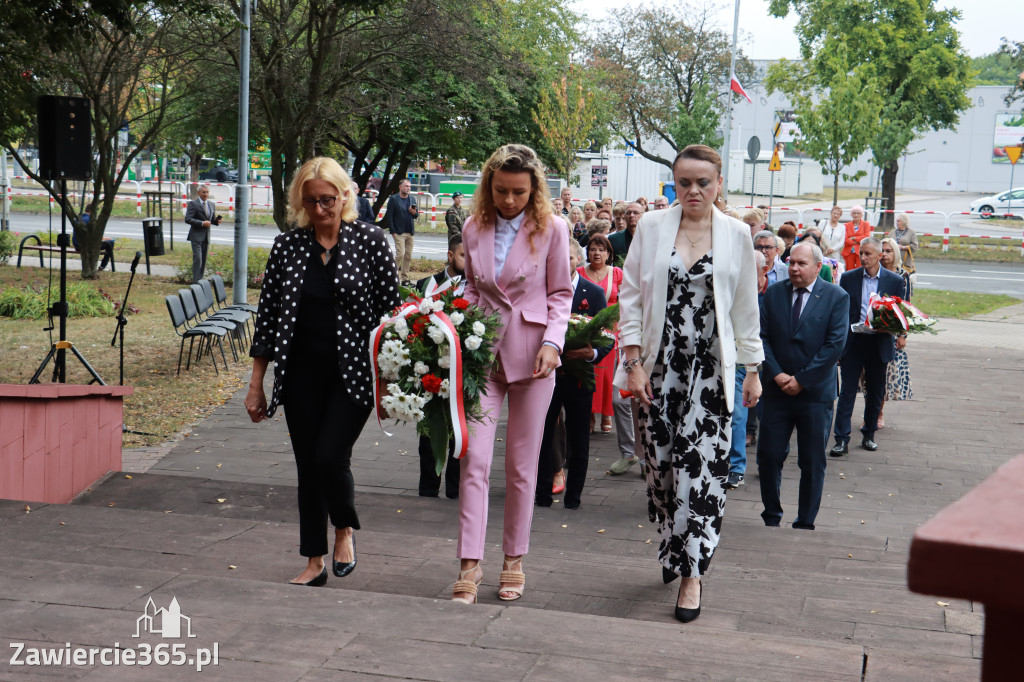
57	439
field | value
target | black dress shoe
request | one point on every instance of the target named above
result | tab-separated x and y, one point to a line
869	444
689	615
343	568
571	505
542	503
841	448
803	526
318	581
668	575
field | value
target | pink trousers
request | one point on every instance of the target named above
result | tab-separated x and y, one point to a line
528	403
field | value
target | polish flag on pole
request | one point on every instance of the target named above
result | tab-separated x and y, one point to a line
735	86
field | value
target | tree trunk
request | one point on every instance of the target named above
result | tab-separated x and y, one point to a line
835	188
889	170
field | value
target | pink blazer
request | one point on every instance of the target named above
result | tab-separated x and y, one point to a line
533	296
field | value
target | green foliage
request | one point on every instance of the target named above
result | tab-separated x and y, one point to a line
222	262
913	48
8	242
837	120
699	124
1014	51
30	302
665	64
568	114
995	69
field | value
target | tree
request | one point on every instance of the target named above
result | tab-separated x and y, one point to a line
837	120
567	115
1014	52
920	67
133	77
664	66
995	68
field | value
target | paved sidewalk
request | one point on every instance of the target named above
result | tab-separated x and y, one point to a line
211	521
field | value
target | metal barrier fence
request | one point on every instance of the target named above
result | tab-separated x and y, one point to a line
434	207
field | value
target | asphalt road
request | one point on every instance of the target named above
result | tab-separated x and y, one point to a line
998	278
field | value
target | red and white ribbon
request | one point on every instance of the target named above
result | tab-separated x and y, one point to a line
876	302
456	401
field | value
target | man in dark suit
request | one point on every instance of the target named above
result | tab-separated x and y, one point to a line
364	207
452	276
572	397
200	216
869	353
803	329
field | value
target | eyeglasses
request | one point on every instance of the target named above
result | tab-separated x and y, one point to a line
326	203
766	247
634	212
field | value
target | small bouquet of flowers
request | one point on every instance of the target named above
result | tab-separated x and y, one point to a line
430	361
893	315
597	331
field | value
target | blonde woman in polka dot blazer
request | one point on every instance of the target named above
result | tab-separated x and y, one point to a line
328	283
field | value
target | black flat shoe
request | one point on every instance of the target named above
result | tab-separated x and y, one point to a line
343	568
869	444
667	575
318	581
689	615
841	448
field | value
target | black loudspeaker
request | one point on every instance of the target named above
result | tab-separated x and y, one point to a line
65	137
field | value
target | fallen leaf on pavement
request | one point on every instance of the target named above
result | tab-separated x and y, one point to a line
942	603
601	531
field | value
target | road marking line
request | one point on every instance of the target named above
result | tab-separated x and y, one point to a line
994	279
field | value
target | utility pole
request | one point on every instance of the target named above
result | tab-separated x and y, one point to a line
241	273
728	108
4	208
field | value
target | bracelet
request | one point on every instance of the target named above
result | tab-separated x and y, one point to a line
629	365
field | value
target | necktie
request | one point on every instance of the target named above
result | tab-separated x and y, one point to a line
797	304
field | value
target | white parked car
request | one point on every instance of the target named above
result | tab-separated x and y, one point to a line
1000	203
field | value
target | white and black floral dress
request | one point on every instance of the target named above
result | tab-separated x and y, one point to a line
686	432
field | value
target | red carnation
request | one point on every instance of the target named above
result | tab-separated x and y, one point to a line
584	304
460	303
431	382
419	324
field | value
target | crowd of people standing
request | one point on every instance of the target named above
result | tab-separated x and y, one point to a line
714	308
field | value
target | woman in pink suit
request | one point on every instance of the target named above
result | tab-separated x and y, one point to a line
516	252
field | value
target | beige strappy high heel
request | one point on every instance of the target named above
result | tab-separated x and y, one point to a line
512	580
464	586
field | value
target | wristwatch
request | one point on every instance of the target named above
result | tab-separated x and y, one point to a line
753	367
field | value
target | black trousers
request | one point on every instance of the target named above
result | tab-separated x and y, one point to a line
862	355
324	424
576	401
430	481
811	420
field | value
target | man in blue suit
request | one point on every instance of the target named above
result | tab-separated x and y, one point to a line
574	398
869	353
803	329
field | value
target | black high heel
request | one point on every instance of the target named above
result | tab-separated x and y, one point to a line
668	575
689	615
318	581
343	568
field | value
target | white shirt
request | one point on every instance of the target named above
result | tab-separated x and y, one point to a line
807	296
433	287
575	282
868	286
505	232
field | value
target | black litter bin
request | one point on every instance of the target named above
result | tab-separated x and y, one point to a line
153	236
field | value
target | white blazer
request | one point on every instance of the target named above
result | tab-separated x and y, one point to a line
643	295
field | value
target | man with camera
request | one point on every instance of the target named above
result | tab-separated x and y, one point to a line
200	216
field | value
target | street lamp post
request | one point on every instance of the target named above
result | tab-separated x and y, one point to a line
241	272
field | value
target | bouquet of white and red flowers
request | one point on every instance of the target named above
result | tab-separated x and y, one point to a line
430	360
598	332
893	315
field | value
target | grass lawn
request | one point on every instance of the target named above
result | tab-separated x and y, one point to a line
959	304
970	249
164	403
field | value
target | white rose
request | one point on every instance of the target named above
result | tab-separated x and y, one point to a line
473	342
457	318
401	328
421	368
479	329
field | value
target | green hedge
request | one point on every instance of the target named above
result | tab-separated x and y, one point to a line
222	262
30	303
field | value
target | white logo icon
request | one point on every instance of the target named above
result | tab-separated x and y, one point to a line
164	622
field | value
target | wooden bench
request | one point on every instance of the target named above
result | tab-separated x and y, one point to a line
106	247
974	549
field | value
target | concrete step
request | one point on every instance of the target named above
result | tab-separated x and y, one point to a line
88	581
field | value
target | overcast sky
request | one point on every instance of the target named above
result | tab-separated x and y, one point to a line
762	36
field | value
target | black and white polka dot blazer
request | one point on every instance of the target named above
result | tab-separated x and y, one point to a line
366	287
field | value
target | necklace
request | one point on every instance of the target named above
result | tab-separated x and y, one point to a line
693	243
594	272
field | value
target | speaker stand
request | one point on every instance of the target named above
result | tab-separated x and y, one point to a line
58	350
